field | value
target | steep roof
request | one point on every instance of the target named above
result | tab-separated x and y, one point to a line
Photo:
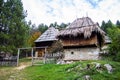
80	26
48	35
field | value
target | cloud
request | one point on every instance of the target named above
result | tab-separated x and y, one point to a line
50	11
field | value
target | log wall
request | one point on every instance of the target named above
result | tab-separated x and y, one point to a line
80	42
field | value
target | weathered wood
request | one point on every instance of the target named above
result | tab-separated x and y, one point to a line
45	56
32	55
31	48
18	57
54	55
11	61
80	42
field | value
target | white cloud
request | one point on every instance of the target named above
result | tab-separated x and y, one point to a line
49	11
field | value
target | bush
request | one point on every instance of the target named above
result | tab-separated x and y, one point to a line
117	57
114	47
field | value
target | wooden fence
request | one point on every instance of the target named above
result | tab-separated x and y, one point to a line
11	61
47	58
52	58
54	55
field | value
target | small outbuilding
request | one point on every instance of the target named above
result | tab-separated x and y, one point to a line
47	39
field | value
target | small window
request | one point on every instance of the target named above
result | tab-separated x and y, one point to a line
72	52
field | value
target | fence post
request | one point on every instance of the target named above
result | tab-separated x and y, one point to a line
32	55
18	57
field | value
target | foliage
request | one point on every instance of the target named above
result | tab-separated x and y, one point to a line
33	37
13	28
42	27
56	25
104	25
114	47
55	48
118	23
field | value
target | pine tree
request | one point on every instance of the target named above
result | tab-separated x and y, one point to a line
107	25
103	26
42	27
118	23
14	27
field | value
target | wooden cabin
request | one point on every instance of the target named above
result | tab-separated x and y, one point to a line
82	40
45	41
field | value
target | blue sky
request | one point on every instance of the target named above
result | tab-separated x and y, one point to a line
50	11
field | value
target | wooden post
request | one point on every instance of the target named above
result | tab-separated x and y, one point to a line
32	55
45	56
18	57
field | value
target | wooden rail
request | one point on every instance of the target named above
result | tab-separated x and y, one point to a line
11	61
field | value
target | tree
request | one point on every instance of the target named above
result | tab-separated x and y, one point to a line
33	37
104	25
42	27
63	25
114	47
55	25
13	28
55	48
118	23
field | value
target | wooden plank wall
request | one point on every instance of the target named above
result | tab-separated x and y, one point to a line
80	42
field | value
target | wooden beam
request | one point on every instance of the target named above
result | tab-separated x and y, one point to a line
32	55
45	56
18	57
33	47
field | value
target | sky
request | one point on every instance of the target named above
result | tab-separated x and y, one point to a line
50	11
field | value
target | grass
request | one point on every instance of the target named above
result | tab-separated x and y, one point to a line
25	60
47	72
5	72
75	71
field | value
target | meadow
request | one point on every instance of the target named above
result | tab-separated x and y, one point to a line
74	71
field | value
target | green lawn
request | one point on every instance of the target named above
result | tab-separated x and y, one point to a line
75	71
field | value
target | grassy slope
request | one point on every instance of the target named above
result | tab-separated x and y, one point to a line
47	72
5	72
60	72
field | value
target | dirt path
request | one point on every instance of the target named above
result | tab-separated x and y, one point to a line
23	65
17	75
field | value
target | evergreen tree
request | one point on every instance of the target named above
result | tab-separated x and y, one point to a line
118	23
107	25
42	27
14	28
114	47
103	26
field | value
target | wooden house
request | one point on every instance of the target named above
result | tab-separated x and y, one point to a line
82	40
47	39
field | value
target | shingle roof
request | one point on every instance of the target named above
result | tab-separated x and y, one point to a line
48	35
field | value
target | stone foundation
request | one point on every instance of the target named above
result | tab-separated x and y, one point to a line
81	54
